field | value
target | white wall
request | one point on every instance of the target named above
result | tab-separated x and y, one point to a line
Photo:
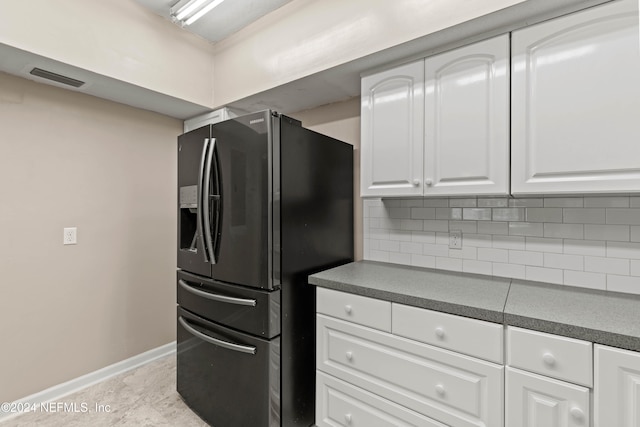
72	160
114	38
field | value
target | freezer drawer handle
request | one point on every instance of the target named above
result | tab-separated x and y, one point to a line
217	297
215	341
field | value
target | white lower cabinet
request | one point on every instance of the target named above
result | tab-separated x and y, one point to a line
442	386
617	387
341	404
536	401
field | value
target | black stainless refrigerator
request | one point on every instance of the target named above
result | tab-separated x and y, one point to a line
262	203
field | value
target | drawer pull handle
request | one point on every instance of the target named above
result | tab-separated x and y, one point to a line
348	309
440	390
549	359
577	413
440	333
347	418
349	355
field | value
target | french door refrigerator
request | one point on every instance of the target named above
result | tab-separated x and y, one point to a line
263	203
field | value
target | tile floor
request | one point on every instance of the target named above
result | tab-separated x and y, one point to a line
143	397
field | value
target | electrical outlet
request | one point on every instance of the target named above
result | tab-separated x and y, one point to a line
455	239
69	237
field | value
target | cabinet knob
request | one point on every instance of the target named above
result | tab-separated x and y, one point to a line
440	390
347	418
349	355
416	182
548	359
577	413
348	309
440	332
428	182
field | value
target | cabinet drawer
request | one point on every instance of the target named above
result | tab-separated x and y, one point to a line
341	404
451	388
551	355
354	308
470	336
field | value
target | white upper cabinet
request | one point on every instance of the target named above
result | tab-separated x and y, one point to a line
467	120
576	103
392	129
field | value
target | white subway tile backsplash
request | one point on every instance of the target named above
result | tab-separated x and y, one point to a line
449	213
449	263
540	274
623	216
563	202
435	250
502	202
585	280
411	248
635	267
436	225
526	258
463	203
606	202
399	258
564	262
584	215
606	232
479	214
606	265
493	255
509	270
477	267
544	214
585	247
464	226
623	250
436	203
478	240
493	227
526	203
564	231
423	261
542	244
591	242
509	242
526	229
423	213
423	236
629	284
468	252
508	214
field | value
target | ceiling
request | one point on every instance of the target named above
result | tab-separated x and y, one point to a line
224	20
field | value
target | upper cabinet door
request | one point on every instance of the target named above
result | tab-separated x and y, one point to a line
576	103
392	129
467	120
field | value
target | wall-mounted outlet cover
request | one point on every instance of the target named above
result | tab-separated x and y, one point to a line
70	236
455	239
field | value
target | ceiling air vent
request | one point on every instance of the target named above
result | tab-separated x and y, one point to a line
56	77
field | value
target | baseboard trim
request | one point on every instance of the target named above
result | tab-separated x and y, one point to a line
58	391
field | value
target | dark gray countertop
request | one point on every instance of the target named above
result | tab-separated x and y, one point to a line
602	317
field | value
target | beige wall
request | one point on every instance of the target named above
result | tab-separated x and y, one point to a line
68	159
115	38
341	121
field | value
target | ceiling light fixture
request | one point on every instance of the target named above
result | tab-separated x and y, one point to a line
186	12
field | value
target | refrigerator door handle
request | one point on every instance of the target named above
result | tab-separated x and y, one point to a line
217	297
215	341
206	202
201	204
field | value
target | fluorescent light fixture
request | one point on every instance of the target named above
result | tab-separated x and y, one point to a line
188	12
